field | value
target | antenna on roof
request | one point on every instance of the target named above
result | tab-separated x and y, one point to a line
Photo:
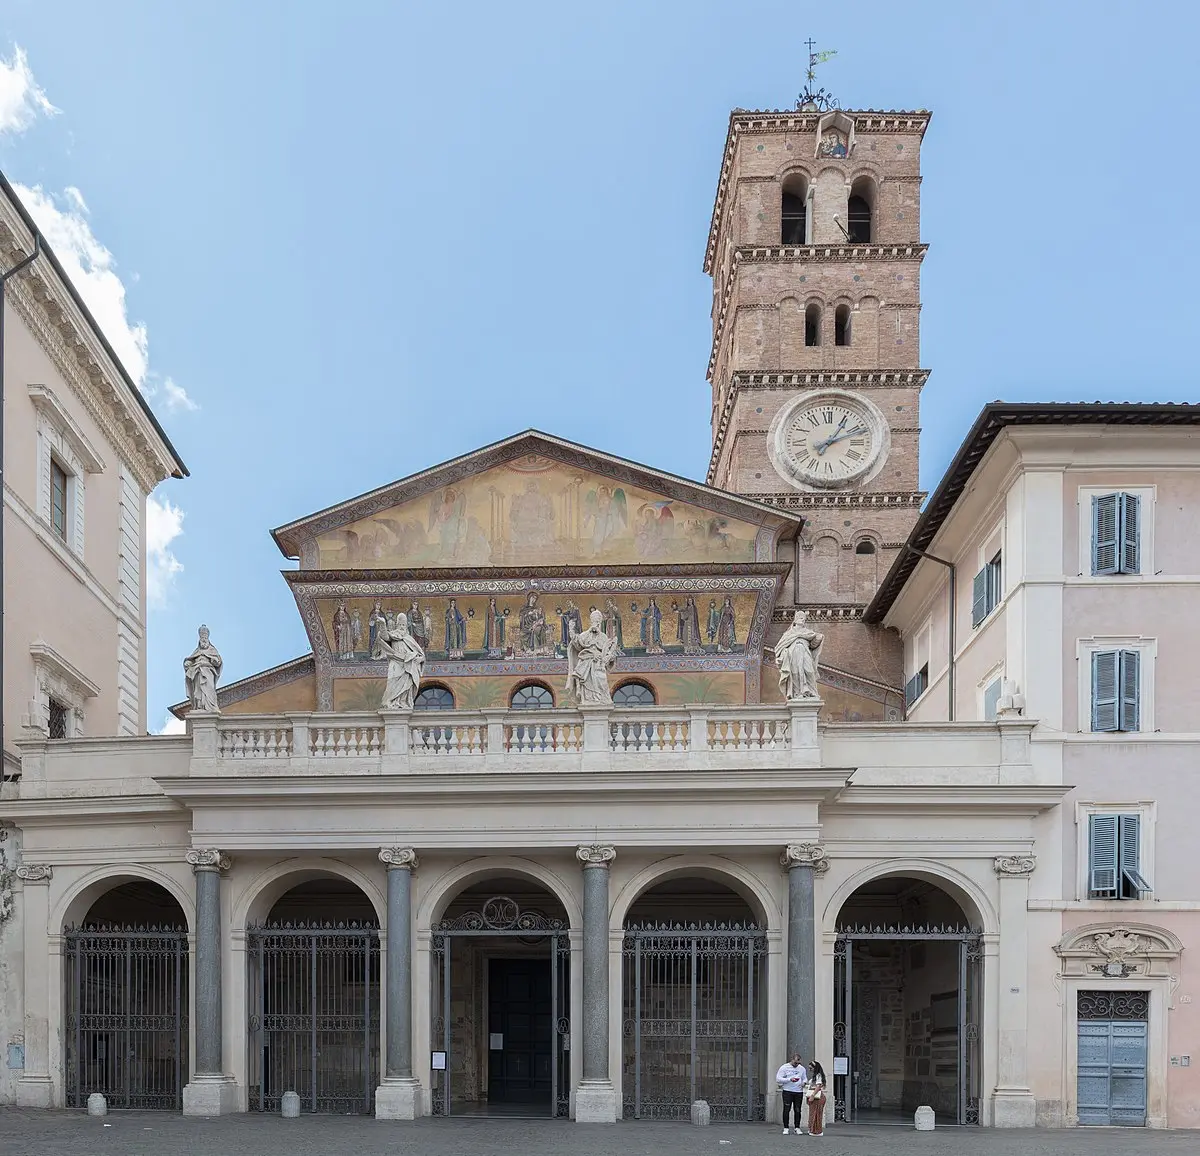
814	99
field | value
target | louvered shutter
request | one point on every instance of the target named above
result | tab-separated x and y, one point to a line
1102	856
1130	510
1105	516
1129	714
1104	690
979	592
1129	855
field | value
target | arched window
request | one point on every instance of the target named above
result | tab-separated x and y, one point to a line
434	698
812	324
841	325
859	211
532	696
795	211
865	547
633	694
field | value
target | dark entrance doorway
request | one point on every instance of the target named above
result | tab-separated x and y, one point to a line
313	970
907	1004
520	1032
127	1000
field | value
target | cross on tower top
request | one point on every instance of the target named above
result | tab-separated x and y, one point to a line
817	98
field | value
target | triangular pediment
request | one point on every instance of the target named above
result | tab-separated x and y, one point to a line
536	500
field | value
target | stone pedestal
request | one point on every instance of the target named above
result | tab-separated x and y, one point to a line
806	743
398	1099
596	1102
210	1096
701	1113
289	1107
923	1118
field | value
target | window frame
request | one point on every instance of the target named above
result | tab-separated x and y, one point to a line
993	681
1147	649
1147	501
988	582
60	440
638	682
435	687
57	470
530	685
1146	813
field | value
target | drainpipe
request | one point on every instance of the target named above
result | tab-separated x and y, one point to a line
4	279
953	619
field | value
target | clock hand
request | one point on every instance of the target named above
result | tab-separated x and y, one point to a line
823	446
842	437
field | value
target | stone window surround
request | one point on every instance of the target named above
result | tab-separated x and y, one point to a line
59	438
1146	647
1148	496
55	677
1147	813
993	674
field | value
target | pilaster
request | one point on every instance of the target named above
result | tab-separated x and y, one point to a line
33	1088
1013	1105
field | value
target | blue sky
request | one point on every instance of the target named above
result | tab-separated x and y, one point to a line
345	242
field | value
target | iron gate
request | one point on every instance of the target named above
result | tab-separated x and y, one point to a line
501	917
854	1044
691	1020
126	1021
314	1016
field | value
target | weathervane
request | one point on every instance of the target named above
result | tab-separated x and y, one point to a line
815	99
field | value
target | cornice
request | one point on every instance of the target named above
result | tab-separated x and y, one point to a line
805	379
748	123
821	612
812	499
1021	800
46	402
59	327
44	655
766	254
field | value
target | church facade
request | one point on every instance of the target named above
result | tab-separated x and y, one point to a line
502	901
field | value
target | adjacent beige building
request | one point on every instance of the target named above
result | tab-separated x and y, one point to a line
949	879
81	452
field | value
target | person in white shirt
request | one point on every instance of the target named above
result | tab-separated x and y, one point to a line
791	1079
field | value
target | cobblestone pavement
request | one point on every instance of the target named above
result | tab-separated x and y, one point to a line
154	1134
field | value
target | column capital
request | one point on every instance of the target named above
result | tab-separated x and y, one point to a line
805	855
596	854
1014	865
208	859
35	872
401	858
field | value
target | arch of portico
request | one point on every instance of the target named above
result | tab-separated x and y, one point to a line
73	905
439	893
252	903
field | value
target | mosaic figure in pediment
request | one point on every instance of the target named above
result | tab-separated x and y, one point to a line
456	631
343	641
531	519
376	624
652	628
572	622
687	630
714	622
833	144
535	630
419	623
727	628
613	626
655	529
493	629
605	514
356	629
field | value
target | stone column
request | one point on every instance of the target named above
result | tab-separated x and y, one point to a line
33	1087
803	861
1013	1105
210	1092
596	1096
399	1096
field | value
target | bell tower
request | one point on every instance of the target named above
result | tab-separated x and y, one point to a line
815	255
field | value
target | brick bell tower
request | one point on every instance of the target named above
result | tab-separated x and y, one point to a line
815	256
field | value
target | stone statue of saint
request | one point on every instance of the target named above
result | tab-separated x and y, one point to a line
406	662
798	654
201	669
590	653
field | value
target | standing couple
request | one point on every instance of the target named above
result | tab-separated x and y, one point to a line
802	1087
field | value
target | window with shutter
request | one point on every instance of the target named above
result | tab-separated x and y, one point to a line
1102	856
1130	533
1129	714
979	606
1116	534
1104	533
916	686
1104	691
1129	860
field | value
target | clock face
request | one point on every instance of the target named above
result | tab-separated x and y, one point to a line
829	441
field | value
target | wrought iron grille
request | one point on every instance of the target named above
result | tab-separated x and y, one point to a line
1114	1005
126	1021
314	1016
500	917
853	1036
692	999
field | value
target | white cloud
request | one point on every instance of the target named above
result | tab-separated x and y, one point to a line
90	266
22	100
172	725
176	397
164	523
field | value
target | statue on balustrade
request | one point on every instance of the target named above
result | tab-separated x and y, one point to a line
201	669
798	654
590	654
406	662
